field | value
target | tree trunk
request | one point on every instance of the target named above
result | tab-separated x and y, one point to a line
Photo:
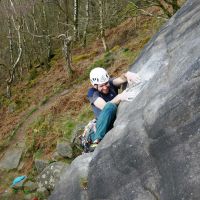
66	3
14	66
76	11
101	14
35	31
47	38
67	53
86	22
10	41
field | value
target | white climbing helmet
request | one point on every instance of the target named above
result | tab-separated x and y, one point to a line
99	76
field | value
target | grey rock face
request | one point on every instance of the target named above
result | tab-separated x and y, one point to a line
64	149
43	193
50	175
56	156
40	164
74	180
153	150
11	159
30	186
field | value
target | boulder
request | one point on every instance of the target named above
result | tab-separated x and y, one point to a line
11	159
56	156
50	175
30	196
30	186
74	180
64	149
43	193
41	164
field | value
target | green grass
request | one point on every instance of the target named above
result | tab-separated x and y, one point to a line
47	126
69	123
78	58
33	74
38	154
106	61
40	129
68	126
84	183
11	135
44	100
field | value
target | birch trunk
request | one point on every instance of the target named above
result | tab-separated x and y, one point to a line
86	23
101	14
15	64
67	53
10	41
76	11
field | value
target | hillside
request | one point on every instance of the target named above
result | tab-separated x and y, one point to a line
47	105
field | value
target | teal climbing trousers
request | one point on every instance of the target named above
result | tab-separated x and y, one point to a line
104	122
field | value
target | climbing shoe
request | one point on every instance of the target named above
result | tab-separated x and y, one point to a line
92	147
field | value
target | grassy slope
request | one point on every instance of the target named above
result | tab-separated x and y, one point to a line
70	108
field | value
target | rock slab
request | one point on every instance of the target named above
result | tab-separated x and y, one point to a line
11	159
64	149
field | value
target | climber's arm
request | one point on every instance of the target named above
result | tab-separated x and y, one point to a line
129	77
100	103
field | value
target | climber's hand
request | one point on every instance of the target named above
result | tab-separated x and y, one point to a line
132	78
127	96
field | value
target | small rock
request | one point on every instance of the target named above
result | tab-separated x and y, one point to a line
40	164
30	186
64	149
12	107
56	156
43	192
29	196
21	165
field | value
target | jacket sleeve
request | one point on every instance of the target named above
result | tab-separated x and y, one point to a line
92	95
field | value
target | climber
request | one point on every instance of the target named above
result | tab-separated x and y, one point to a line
104	98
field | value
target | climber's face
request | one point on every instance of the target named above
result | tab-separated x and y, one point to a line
104	88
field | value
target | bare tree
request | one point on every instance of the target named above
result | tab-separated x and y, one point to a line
67	52
76	11
16	62
102	30
86	22
169	7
